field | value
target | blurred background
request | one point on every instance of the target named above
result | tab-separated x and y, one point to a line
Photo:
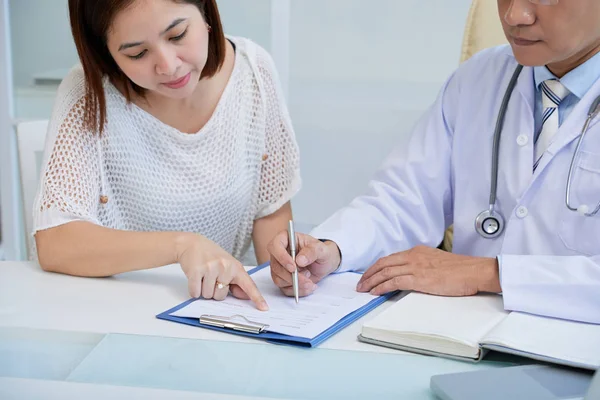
356	74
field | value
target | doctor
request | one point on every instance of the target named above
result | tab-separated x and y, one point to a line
523	197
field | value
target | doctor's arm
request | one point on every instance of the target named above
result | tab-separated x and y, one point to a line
565	287
408	203
409	200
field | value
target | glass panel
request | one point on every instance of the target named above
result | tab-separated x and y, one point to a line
361	73
255	369
43	354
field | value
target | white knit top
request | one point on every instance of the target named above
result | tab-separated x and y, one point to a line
242	165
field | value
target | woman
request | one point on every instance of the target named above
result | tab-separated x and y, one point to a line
171	144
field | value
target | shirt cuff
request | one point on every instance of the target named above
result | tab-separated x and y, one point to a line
515	283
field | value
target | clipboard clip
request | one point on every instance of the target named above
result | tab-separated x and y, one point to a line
229	322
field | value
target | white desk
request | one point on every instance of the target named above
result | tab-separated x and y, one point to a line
126	303
104	332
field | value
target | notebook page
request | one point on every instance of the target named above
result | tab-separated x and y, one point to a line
435	323
335	297
575	342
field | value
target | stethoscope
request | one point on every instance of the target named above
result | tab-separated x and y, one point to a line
490	222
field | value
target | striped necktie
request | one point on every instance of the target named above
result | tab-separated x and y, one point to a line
553	92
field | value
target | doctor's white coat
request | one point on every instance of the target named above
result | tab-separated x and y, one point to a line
549	256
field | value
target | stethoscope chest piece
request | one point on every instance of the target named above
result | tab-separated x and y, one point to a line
489	224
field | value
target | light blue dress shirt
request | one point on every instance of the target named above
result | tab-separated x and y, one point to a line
577	81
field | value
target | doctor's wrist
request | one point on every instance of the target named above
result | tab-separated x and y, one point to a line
488	276
334	250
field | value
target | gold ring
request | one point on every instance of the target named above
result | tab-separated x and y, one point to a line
220	285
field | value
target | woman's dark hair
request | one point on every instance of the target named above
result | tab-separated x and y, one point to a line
90	22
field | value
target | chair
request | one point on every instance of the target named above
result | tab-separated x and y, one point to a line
31	138
483	29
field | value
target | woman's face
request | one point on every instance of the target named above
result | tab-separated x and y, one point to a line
161	45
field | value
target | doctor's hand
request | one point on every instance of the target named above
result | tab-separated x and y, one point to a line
315	260
429	270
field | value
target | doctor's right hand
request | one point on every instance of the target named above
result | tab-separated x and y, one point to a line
212	272
315	260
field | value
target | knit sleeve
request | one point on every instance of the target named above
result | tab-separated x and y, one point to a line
69	188
280	174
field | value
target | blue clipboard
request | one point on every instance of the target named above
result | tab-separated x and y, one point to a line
277	337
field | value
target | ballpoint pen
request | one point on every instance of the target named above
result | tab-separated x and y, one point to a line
292	241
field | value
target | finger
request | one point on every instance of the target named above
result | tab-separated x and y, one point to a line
315	251
383	275
238	292
224	276
246	283
304	289
403	282
221	294
282	277
279	282
303	278
195	284
209	281
389	261
277	248
281	273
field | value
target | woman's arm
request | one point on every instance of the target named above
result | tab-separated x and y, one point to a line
266	228
85	249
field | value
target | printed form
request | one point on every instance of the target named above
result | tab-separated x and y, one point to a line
334	298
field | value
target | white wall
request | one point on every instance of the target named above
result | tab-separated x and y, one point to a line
248	18
41	38
379	41
361	75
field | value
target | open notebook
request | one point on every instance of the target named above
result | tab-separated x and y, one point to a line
466	327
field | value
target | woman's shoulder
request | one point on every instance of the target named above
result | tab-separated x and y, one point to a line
74	82
70	95
256	54
73	85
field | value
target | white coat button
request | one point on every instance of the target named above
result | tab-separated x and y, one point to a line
522	140
522	212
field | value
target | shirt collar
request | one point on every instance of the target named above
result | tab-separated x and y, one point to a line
577	81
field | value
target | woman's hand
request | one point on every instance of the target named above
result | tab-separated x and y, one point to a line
212	272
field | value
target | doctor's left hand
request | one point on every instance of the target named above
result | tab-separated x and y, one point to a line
429	270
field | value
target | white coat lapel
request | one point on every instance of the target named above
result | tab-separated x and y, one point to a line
526	88
571	127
